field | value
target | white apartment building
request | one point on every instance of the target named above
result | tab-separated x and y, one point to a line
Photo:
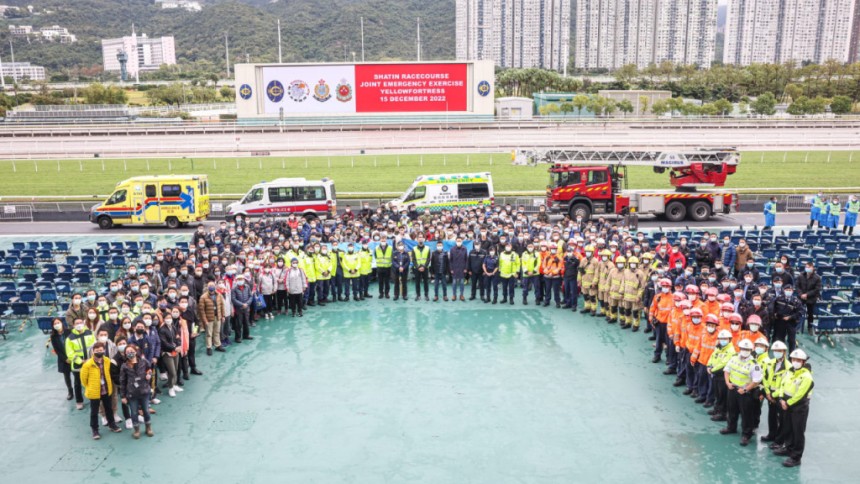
22	70
514	33
613	33
144	53
778	31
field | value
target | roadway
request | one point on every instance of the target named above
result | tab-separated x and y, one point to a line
433	140
17	229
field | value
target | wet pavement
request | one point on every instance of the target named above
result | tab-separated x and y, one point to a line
464	392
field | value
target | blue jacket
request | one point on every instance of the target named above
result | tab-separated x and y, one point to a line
149	344
492	262
459	259
400	260
730	255
241	295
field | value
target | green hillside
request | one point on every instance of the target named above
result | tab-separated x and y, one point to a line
311	31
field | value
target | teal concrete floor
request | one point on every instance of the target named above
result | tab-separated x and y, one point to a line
419	392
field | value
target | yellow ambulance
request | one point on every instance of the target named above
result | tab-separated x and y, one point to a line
174	200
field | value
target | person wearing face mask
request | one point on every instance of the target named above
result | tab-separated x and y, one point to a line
691	335
658	316
324	270
59	334
351	263
136	376
701	357
754	329
788	313
297	282
743	255
588	280
794	395
852	207
809	290
490	270
509	271
781	275
476	271
76	310
77	346
307	261
770	213
677	328
721	355
833	212
742	374
365	258
440	268
631	295
190	327
816	207
702	255
458	258
774	369
602	275
267	285
383	254
552	267
168	334
400	263
570	283
98	385
242	299
278	272
420	260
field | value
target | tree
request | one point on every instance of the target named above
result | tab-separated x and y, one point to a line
101	94
580	101
643	104
709	109
792	92
625	106
227	93
841	105
567	108
724	106
660	107
549	109
765	104
799	107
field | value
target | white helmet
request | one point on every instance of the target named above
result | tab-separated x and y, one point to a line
724	334
745	344
762	341
798	354
778	346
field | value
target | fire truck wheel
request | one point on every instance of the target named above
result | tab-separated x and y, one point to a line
675	211
700	211
580	210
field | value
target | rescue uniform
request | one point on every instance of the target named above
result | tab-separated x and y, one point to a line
716	365
509	269
796	391
383	269
530	264
631	281
615	292
658	314
741	372
420	260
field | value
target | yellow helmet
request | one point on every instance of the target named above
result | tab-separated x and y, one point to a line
589	248
620	260
633	260
605	253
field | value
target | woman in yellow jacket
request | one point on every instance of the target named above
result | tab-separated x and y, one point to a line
98	387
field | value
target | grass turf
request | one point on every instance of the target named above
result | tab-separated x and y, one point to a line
393	174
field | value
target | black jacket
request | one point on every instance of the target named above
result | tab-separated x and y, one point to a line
439	263
169	337
809	284
134	382
459	260
792	307
476	260
571	267
58	342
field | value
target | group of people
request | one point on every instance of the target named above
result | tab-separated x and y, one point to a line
826	213
143	330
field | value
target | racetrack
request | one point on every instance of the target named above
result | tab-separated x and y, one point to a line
436	139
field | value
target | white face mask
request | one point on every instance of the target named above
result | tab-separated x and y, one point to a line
79	327
102	339
778	355
665	290
126	325
745	353
754	328
797	365
711	329
58	327
759	350
735	327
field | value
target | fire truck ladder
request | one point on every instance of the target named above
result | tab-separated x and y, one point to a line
657	159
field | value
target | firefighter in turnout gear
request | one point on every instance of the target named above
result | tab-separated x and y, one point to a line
588	280
616	279
631	305
602	275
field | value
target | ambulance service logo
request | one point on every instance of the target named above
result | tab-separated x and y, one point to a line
299	91
275	91
344	91
322	92
484	88
245	92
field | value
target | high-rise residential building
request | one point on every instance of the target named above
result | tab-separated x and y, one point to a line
854	46
778	31
514	33
144	53
613	33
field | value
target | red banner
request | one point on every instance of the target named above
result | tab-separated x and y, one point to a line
394	88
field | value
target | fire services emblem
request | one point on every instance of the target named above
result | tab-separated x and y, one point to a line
322	92
299	91
275	91
344	91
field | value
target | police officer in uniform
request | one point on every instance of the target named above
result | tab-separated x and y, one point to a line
420	263
788	310
742	375
476	271
795	392
400	268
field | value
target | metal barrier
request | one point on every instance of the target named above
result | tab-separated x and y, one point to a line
16	213
798	202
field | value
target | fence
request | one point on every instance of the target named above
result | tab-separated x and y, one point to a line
16	213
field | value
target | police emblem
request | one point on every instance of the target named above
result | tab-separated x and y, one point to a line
299	91
275	91
245	91
484	88
344	91
322	92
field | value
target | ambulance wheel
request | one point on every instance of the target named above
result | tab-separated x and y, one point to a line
700	211
172	223
580	210
105	222
675	211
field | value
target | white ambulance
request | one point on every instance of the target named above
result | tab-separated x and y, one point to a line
308	198
438	192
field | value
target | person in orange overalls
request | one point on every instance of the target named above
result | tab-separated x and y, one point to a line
693	295
726	310
676	318
658	316
680	339
707	345
711	305
754	331
553	270
735	321
693	337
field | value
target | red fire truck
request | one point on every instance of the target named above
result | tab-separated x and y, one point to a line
585	183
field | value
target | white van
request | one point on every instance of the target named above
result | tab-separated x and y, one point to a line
310	199
438	192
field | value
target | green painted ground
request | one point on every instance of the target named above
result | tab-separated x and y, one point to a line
384	174
419	392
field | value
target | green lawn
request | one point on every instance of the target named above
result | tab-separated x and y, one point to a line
394	174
